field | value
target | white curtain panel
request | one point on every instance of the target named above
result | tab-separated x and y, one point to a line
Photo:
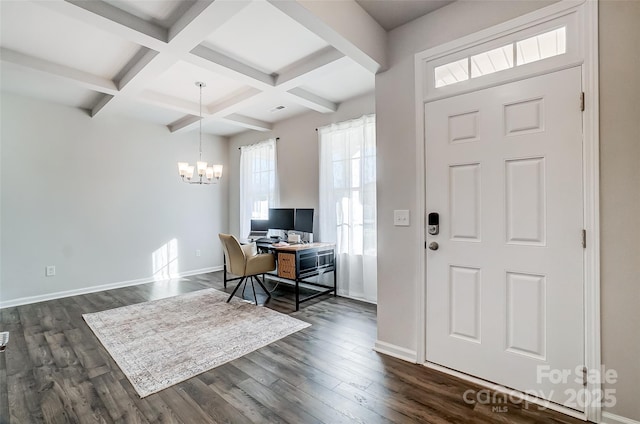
347	214
258	182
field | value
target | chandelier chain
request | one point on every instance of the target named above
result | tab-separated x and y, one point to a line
200	120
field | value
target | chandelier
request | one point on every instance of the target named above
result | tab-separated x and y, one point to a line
211	173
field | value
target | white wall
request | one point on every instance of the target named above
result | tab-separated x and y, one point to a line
96	197
620	177
298	164
620	199
396	167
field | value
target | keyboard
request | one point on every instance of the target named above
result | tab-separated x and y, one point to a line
267	240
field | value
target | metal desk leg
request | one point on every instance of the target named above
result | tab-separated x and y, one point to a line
224	270
297	295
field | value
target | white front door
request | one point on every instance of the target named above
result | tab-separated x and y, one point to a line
505	286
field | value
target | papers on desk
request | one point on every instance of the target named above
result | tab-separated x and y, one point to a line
280	244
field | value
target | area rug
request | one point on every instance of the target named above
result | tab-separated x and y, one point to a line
163	342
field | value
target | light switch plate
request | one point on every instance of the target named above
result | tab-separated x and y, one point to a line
401	218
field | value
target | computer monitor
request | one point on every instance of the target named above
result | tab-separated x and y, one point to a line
259	225
304	220
281	219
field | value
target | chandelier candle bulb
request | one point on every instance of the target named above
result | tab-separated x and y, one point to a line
182	168
217	171
202	167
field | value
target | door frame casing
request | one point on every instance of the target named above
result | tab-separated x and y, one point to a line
588	23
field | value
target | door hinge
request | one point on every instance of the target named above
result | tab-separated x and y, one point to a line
584	239
584	376
582	101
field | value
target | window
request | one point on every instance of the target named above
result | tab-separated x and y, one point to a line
347	213
452	73
492	61
549	44
258	182
542	46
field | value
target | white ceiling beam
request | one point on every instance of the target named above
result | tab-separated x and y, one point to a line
234	101
185	123
106	98
126	19
344	25
320	63
149	68
109	89
217	62
251	123
116	27
138	63
81	78
188	17
312	101
184	38
225	107
182	123
198	22
168	102
296	75
203	18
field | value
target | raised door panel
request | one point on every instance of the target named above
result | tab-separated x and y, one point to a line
525	200
465	202
465	303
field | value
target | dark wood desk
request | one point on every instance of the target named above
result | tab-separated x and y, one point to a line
298	263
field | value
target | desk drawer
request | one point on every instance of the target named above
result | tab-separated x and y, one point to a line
287	265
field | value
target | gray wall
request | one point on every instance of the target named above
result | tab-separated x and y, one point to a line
96	197
396	167
298	151
620	146
620	198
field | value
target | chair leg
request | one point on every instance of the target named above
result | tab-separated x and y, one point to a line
244	288
236	289
254	292
263	287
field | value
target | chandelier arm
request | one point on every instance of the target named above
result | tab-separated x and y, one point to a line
200	182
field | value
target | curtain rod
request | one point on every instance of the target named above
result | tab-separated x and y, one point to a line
277	138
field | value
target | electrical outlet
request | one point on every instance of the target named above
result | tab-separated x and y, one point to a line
198	253
50	270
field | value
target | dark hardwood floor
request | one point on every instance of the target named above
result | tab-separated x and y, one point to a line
55	370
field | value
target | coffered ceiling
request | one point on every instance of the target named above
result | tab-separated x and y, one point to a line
142	58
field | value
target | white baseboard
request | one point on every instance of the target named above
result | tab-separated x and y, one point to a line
201	271
359	299
609	418
99	288
396	351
